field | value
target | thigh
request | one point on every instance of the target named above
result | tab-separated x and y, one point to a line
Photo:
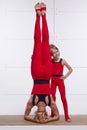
61	87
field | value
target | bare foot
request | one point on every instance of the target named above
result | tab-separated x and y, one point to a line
43	9
38	9
68	120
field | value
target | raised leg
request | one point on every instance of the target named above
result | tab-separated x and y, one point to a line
37	54
46	57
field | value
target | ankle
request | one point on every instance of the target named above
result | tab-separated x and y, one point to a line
38	9
43	9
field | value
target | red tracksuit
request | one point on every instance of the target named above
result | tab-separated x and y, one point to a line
41	65
56	81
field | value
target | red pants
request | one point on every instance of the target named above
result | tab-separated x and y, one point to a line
56	81
41	65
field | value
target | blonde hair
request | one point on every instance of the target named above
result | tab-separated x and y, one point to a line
40	115
52	46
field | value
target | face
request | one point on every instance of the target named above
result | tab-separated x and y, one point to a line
41	106
55	54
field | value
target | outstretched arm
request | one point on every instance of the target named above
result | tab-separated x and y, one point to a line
64	62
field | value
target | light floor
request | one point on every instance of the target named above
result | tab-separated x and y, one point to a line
18	120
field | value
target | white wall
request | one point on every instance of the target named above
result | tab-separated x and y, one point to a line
67	21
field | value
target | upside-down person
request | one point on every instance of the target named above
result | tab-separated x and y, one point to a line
41	71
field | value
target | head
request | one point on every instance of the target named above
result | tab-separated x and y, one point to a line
55	53
40	116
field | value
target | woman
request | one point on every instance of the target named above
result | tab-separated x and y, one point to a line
41	71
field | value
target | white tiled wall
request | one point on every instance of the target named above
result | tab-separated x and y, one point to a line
67	22
71	37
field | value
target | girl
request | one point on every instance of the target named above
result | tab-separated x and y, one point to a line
58	78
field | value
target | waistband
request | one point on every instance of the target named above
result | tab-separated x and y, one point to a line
56	75
41	81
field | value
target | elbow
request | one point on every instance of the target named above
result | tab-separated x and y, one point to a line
57	117
71	70
25	117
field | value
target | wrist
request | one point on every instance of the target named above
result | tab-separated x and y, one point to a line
65	77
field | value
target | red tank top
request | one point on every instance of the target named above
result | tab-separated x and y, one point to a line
57	68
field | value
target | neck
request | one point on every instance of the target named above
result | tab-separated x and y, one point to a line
57	59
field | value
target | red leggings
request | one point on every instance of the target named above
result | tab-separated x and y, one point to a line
56	81
41	65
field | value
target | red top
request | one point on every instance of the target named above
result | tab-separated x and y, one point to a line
57	68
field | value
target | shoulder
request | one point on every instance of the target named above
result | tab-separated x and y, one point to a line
63	61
